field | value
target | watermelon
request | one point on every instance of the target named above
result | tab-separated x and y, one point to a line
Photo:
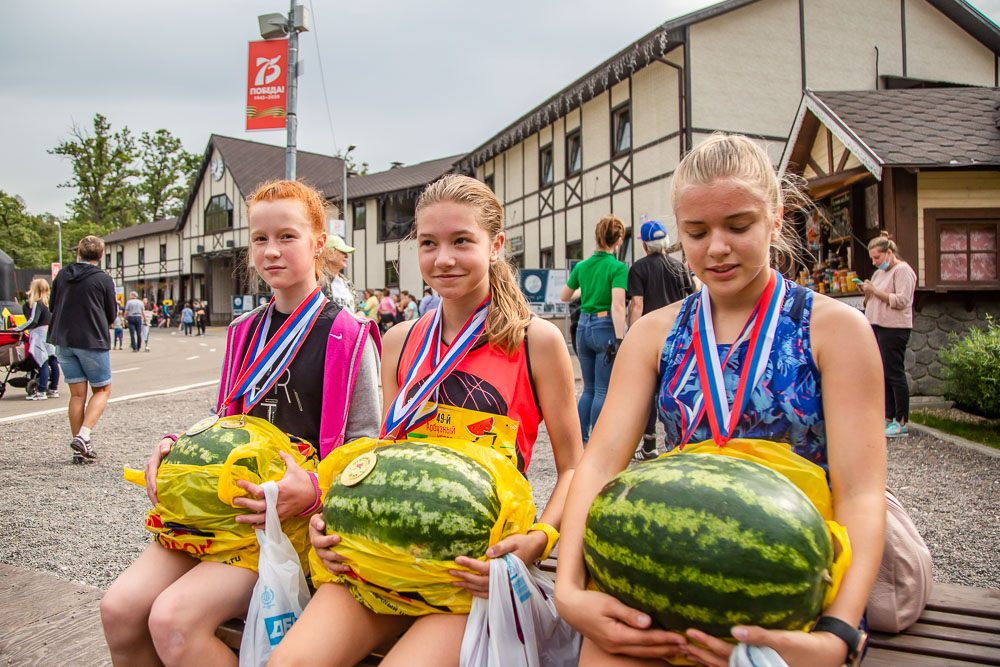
481	427
426	500
709	542
210	446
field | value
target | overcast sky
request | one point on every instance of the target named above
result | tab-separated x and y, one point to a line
407	81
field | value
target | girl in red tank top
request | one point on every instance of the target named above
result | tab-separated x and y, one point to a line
517	369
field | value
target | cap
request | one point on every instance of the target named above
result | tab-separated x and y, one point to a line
653	230
334	241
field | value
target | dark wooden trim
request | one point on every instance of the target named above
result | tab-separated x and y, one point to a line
829	149
802	42
905	234
933	218
843	160
752	135
688	117
902	30
818	169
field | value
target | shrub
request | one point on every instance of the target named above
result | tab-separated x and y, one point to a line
972	369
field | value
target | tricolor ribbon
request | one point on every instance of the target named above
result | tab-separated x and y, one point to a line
722	418
269	358
404	416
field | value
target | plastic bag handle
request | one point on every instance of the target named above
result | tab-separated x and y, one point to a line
228	490
840	563
272	524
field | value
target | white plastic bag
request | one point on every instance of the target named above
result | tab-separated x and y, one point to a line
281	592
518	625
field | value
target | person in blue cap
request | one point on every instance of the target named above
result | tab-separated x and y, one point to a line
654	281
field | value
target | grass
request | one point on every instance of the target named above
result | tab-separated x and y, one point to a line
985	433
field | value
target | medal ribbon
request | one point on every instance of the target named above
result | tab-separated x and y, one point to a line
271	357
404	416
722	418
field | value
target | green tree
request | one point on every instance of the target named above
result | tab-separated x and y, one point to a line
102	175
166	172
30	240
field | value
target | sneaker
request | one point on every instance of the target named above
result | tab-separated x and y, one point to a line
895	430
82	448
52	393
37	396
646	451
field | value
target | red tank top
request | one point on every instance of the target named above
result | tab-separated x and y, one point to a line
486	380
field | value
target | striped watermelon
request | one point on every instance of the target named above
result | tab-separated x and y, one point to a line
705	541
210	446
429	501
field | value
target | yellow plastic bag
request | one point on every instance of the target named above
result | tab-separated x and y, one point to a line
389	581
806	475
497	432
195	511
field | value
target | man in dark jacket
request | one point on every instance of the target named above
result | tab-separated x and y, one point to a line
83	307
654	281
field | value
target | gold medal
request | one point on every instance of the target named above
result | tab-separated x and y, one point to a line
233	423
358	469
202	426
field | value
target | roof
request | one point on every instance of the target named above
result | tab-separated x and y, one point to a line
399	178
930	127
655	45
251	163
145	229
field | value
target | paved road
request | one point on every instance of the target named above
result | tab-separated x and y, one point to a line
174	361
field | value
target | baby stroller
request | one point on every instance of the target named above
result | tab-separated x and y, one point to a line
14	355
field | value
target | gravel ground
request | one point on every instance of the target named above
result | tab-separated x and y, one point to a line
85	523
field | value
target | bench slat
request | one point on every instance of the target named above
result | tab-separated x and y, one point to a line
880	657
953	620
965	600
985	655
932	631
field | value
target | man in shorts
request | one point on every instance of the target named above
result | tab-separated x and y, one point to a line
83	307
653	282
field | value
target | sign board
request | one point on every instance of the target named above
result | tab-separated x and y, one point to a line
338	227
120	296
515	244
542	288
56	266
242	303
267	79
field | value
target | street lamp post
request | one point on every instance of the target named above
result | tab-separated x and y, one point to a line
271	27
59	227
344	198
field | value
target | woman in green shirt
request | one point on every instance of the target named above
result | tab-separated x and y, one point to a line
602	280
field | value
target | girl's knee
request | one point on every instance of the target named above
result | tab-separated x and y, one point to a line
170	627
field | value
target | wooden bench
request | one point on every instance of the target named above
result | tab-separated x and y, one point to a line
961	626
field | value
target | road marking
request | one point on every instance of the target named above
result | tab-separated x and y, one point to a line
190	358
131	397
126	370
211	349
203	344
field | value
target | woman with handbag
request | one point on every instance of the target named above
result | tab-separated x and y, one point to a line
813	392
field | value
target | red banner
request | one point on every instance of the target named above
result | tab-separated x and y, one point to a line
267	78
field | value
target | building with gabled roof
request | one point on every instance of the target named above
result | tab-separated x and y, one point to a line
923	165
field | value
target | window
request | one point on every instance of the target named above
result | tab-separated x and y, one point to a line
963	247
142	256
546	258
120	257
359	215
490	182
163	252
574	250
621	128
546	170
218	214
107	260
396	217
574	153
391	275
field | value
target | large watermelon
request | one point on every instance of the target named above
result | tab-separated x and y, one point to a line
429	501
210	446
705	541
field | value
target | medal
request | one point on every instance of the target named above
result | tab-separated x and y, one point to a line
233	423
202	425
358	469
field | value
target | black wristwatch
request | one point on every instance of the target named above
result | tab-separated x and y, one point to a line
855	639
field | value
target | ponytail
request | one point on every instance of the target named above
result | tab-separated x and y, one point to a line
882	243
509	313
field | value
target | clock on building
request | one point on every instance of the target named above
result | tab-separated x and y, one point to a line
217	168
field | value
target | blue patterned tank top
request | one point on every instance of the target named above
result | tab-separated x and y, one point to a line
785	406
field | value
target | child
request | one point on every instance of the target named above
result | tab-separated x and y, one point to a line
459	234
167	604
819	392
119	327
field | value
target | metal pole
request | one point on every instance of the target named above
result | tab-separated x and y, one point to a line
293	73
344	198
59	227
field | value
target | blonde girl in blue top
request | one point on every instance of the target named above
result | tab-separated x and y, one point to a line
821	392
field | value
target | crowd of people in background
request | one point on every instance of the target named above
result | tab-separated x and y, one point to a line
389	308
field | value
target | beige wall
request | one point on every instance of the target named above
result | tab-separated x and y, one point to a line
841	36
953	189
939	50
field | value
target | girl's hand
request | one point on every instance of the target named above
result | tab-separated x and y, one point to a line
162	449
866	287
526	547
322	542
816	649
615	627
296	494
